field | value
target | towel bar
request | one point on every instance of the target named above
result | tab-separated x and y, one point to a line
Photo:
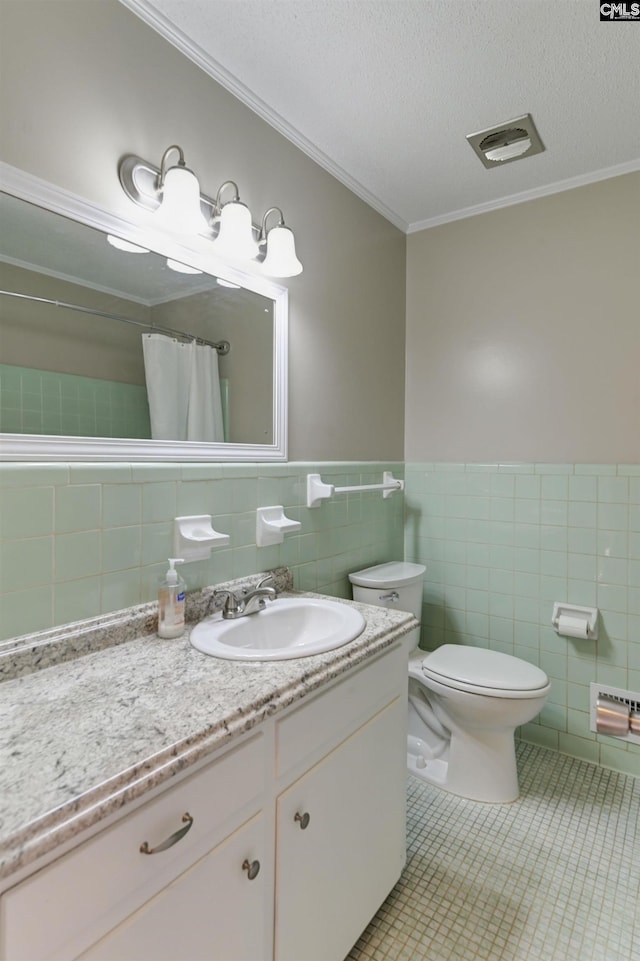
317	491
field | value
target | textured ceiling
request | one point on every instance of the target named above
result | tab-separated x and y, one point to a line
382	94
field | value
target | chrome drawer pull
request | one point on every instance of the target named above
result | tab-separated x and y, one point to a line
251	867
187	819
303	819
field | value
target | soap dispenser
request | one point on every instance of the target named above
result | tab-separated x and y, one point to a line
171	602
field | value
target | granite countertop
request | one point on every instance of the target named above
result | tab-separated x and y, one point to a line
82	737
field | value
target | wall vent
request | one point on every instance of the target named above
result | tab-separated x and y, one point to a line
506	142
630	698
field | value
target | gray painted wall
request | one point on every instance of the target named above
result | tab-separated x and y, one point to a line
523	332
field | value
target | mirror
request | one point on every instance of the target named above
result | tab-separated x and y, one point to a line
109	354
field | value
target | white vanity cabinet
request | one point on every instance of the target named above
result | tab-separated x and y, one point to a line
297	836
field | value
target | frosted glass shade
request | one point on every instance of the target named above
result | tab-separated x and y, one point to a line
181	268
235	239
281	259
179	208
126	245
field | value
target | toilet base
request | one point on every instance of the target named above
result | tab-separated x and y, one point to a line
490	776
421	764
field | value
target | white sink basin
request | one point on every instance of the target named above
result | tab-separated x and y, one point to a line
288	627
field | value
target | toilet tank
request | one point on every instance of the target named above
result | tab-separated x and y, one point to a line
376	585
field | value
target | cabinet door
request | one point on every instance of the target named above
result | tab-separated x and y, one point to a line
212	912
333	874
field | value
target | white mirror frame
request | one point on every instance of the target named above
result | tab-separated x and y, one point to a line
40	447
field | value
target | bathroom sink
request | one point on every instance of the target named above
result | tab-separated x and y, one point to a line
288	627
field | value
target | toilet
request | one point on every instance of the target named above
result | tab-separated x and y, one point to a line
464	702
464	706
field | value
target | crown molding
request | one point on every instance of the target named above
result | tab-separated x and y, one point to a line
146	12
520	198
227	80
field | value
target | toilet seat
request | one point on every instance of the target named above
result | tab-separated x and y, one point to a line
482	671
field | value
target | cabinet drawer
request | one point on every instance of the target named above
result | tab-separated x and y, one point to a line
60	910
322	722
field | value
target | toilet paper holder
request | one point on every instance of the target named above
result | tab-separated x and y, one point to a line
573	620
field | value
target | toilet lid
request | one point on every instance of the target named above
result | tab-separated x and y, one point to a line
391	574
480	668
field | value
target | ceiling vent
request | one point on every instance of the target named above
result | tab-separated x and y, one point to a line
513	140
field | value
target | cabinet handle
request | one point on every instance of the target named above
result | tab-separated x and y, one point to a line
188	821
251	867
303	819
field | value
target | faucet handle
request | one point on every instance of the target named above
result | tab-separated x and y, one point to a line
225	601
264	580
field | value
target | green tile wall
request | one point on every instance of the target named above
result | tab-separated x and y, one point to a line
45	402
503	542
77	540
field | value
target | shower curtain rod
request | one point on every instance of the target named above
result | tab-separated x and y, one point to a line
222	346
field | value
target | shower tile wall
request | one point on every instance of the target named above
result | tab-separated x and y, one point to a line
46	402
501	544
81	539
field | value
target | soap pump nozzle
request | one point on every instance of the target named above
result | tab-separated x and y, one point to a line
172	574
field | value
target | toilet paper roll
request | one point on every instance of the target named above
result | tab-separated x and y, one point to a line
612	717
573	626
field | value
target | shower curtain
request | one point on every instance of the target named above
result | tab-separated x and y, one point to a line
183	387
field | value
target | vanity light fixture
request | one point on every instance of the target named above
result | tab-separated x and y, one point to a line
280	259
181	268
126	245
173	192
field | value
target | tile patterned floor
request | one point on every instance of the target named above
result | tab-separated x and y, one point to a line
553	877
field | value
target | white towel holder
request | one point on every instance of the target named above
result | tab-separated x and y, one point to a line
317	490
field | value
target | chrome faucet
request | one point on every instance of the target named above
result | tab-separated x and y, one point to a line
249	603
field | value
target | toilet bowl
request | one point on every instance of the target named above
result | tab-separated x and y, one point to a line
464	706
